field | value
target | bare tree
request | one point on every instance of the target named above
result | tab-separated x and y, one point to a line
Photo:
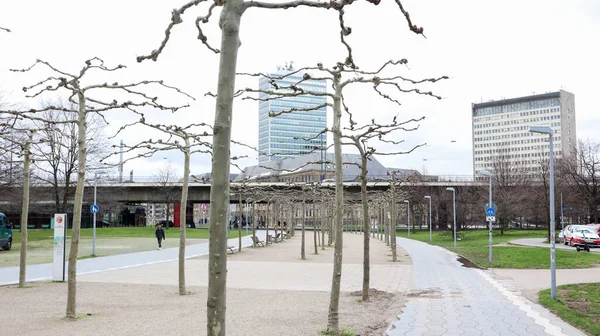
165	179
334	75
84	102
584	173
229	23
59	154
510	178
189	141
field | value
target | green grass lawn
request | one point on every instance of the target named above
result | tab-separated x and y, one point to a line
474	246
578	304
121	232
110	241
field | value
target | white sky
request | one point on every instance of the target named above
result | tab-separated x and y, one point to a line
489	49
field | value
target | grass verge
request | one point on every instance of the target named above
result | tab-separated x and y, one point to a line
578	304
474	245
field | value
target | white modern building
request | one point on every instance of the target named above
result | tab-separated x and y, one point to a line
501	130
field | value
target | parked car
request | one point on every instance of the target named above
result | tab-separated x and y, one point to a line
567	234
584	235
6	234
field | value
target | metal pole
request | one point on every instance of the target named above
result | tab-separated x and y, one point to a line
454	201
490	221
94	217
552	223
430	240
408	219
121	165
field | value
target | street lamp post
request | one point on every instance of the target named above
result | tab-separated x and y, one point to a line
487	173
429	198
547	130
94	213
454	202
408	201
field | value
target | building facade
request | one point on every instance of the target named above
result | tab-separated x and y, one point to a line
290	134
501	130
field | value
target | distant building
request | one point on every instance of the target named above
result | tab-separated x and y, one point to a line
501	129
286	135
307	168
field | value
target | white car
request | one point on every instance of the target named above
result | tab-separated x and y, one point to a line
580	235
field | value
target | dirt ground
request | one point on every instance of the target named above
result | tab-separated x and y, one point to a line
119	304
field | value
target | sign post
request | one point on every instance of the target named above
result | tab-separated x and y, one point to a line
94	210
59	252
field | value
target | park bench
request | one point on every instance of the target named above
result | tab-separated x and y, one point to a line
230	248
257	241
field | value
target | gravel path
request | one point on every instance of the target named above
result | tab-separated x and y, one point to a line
270	292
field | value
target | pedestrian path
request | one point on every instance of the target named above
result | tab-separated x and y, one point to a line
447	298
43	272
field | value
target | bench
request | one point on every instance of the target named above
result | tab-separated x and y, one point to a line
230	248
257	241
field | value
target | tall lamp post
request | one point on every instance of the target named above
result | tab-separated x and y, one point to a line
96	173
429	198
487	173
454	202
547	130
408	202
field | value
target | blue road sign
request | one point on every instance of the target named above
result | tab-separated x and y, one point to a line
490	212
94	208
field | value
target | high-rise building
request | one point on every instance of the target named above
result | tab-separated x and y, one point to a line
291	134
501	130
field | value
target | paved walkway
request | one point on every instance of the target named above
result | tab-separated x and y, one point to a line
539	242
278	267
449	299
43	272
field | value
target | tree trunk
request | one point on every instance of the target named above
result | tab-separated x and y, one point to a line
254	223
183	216
240	224
72	274
334	303
323	222
303	244
229	23
315	231
267	220
366	227
393	222
25	214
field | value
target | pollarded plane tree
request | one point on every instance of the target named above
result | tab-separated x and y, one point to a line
21	138
336	75
229	22
87	97
191	139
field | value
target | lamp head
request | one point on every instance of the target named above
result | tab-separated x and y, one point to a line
427	197
450	189
406	201
485	173
540	129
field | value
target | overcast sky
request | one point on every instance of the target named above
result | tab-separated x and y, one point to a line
489	49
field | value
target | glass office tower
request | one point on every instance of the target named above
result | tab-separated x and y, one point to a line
291	134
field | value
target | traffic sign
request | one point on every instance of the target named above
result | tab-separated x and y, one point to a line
94	208
490	218
490	212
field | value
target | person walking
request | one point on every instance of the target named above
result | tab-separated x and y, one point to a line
160	235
